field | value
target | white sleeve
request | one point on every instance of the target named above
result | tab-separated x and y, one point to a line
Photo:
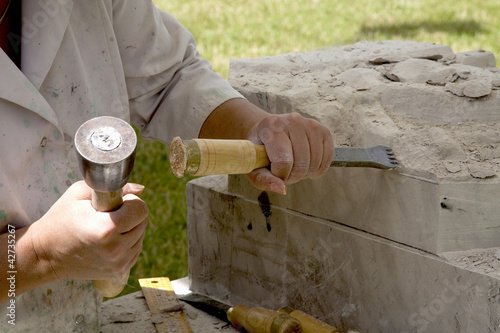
171	89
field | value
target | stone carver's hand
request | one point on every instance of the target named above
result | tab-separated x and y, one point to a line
297	147
76	241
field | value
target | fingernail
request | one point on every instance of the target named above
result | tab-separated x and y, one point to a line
278	188
136	187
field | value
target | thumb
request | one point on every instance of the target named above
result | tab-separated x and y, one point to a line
264	180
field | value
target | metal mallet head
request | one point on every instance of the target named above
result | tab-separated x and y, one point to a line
106	152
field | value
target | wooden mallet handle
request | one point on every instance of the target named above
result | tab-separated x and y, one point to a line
107	202
200	157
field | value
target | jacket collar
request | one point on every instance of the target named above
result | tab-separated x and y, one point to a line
44	26
19	90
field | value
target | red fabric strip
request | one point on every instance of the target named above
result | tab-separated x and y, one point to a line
10	29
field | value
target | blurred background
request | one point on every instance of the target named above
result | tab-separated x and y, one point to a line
226	29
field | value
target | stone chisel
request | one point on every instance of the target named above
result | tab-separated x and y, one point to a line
202	157
243	318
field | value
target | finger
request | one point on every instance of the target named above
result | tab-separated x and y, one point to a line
134	259
328	154
130	238
264	180
133	188
133	255
132	212
125	246
301	154
316	157
272	133
321	148
136	250
280	153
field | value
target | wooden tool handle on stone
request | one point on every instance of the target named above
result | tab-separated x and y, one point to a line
309	323
200	157
107	202
260	320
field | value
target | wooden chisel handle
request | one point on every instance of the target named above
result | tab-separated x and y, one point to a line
107	202
202	157
260	320
309	323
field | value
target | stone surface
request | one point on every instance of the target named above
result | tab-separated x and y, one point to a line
347	277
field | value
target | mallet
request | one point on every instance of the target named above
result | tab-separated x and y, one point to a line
105	148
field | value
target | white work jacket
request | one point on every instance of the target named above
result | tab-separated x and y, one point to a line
82	59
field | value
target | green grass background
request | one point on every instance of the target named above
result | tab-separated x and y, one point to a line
228	29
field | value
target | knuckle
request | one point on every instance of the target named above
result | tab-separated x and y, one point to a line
315	125
294	116
296	119
300	169
276	123
282	164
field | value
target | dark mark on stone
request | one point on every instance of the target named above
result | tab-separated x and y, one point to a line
443	203
265	207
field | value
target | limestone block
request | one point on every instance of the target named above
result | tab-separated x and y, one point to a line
204	250
433	217
348	277
441	117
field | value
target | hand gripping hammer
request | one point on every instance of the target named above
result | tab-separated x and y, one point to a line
105	147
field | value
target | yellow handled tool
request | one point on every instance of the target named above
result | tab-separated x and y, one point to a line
201	157
309	323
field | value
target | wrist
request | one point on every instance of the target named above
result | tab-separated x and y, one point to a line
45	265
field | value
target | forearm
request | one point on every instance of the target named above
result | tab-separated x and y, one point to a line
21	270
232	120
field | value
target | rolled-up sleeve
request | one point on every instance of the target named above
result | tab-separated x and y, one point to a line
172	90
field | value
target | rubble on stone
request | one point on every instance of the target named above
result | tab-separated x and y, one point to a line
393	93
